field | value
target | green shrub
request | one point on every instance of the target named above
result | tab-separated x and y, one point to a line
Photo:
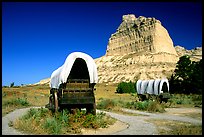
107	104
17	102
187	100
142	105
92	121
125	87
155	106
197	100
52	125
130	105
64	117
147	105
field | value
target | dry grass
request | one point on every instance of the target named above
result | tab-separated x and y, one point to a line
39	95
35	95
168	127
193	113
108	91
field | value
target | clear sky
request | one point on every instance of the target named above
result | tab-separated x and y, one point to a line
37	37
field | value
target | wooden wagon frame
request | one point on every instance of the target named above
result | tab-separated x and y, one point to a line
78	89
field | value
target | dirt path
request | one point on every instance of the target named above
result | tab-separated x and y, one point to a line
127	125
171	114
6	130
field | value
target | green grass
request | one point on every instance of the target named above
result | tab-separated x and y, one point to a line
148	105
182	100
17	102
43	121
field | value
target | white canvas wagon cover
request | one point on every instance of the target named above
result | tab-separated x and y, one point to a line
62	73
153	86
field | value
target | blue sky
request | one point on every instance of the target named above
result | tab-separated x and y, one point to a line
37	37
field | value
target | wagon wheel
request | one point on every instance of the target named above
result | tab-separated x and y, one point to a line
91	109
94	109
159	99
55	102
51	102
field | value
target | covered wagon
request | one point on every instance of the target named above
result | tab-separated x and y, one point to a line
72	84
154	88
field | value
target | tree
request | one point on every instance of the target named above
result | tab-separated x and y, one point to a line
12	84
196	77
187	77
183	68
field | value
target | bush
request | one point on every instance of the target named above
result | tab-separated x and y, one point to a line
106	104
52	125
197	100
125	87
17	102
186	100
142	105
154	106
147	105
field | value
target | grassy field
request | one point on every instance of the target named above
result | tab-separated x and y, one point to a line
106	98
108	91
38	95
19	97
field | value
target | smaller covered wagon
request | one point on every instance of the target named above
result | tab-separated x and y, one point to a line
154	88
72	84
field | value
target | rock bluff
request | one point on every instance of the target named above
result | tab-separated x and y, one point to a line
139	35
141	48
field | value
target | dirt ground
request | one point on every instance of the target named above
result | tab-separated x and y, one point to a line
117	126
195	113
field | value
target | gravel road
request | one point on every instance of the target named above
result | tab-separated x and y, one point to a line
136	124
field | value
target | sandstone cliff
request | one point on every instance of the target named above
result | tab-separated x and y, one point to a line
139	35
195	54
115	69
43	81
141	48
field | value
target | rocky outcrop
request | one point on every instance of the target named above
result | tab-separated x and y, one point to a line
141	48
114	69
139	35
43	81
195	54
